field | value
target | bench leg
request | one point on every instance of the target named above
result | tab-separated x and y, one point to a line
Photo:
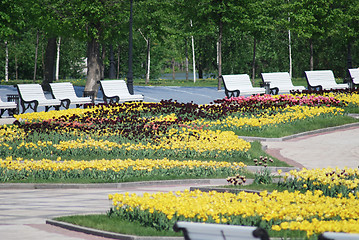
65	103
35	106
230	94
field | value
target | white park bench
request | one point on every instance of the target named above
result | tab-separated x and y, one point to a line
338	236
117	91
354	75
207	231
280	82
322	80
237	84
10	107
32	96
65	92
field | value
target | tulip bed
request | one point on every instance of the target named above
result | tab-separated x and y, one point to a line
310	213
334	182
40	144
121	142
316	201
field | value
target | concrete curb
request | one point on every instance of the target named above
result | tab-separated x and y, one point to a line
219	181
108	185
105	234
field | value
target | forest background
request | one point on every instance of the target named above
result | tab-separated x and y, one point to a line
229	37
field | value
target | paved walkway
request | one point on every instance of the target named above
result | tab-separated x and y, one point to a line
337	148
198	95
23	212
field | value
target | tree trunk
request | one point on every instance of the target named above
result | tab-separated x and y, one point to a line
112	72
94	66
103	56
50	57
290	54
311	55
16	65
349	56
36	52
220	53
200	71
148	61
58	60
6	62
130	52
193	57
186	63
173	69
43	52
118	62
254	60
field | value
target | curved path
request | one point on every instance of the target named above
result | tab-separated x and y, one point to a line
336	148
24	211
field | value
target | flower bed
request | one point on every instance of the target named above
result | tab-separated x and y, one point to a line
333	182
112	170
159	130
311	211
169	139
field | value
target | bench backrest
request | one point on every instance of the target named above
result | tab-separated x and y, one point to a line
64	90
278	79
30	92
206	231
114	88
237	82
338	236
320	77
354	74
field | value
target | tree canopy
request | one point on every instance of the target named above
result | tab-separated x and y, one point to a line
231	36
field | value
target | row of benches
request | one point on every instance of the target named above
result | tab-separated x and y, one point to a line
206	231
280	82
31	96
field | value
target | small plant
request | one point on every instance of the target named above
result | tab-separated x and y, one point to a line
262	161
263	177
237	180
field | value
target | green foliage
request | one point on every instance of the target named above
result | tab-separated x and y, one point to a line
263	177
331	24
287	129
110	176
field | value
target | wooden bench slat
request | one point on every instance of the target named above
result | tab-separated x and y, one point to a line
65	92
338	236
322	79
354	75
207	231
32	96
281	81
239	84
117	91
7	106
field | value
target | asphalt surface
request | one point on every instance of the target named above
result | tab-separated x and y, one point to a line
198	95
24	208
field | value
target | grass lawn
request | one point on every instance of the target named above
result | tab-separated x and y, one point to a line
297	127
114	224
